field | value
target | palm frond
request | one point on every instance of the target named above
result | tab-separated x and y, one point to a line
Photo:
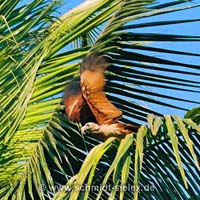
152	159
41	150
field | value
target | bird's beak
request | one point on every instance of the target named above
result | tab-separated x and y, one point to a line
83	130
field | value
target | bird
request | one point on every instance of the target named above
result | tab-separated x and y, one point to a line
86	102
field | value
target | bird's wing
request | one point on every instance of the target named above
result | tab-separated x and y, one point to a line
76	107
73	100
92	85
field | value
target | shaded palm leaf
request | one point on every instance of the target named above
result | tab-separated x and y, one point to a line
155	173
39	146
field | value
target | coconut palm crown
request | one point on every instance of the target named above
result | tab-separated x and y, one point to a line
43	154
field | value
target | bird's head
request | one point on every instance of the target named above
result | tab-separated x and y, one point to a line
90	127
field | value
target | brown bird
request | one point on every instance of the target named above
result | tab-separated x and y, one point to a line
86	102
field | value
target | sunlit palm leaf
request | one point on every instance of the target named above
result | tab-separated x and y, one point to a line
155	171
40	148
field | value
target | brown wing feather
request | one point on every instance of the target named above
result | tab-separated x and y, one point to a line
76	107
73	100
92	84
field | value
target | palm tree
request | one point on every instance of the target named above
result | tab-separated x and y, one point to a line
44	155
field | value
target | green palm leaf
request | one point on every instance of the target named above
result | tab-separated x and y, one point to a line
154	165
42	151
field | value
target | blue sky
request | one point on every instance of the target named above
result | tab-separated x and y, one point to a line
191	29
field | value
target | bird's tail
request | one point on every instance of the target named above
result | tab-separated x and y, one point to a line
95	62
